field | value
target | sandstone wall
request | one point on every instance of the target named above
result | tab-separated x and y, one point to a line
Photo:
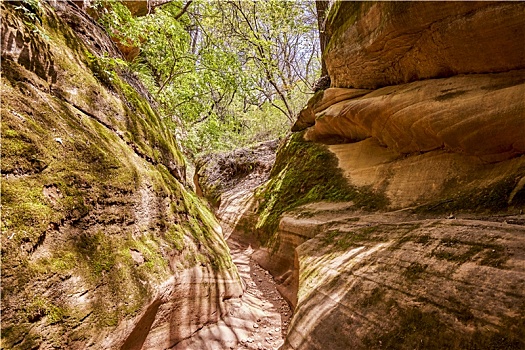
425	112
375	44
461	111
394	281
102	245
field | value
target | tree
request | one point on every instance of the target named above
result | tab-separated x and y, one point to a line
223	71
278	42
322	7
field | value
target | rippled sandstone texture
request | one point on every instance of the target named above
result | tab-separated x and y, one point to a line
102	245
425	123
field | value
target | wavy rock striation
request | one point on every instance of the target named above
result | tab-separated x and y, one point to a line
479	115
426	118
397	281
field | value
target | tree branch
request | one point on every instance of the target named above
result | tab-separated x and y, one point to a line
178	15
184	9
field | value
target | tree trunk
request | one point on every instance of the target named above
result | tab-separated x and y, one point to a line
322	11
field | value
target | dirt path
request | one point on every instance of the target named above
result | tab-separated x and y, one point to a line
257	321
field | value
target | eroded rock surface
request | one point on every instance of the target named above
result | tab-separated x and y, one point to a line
229	173
376	44
397	281
480	115
421	246
259	320
102	245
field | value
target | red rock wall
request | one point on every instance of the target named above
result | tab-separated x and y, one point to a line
427	108
387	43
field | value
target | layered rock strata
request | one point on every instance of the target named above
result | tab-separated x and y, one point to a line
479	115
228	181
395	281
426	117
376	44
102	245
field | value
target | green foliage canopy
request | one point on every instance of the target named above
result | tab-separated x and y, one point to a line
225	73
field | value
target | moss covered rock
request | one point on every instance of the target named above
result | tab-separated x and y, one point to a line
96	221
219	173
413	235
306	172
396	281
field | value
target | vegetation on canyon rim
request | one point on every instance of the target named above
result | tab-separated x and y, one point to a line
225	73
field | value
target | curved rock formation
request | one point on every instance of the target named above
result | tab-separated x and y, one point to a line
426	116
395	282
480	115
102	245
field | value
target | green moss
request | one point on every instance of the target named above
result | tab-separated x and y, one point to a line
105	263
22	335
142	125
155	263
316	98
76	197
60	262
148	132
490	199
19	155
458	251
41	307
175	236
106	257
103	67
26	213
418	329
306	172
97	250
198	223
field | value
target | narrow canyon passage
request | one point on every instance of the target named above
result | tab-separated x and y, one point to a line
159	166
258	321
